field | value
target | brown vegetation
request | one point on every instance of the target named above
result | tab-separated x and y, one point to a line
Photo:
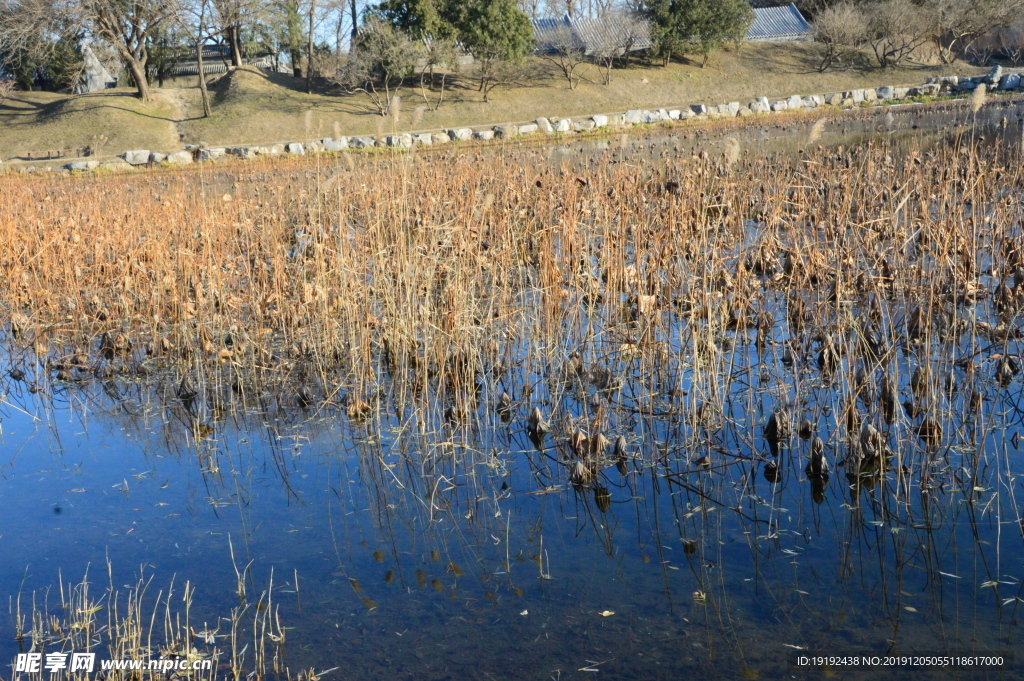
432	284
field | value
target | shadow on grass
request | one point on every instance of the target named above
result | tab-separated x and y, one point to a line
48	111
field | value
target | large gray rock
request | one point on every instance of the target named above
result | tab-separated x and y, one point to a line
856	95
179	157
870	95
964	85
461	134
698	109
295	148
139	157
813	101
733	108
275	149
544	125
1009	81
885	92
994	75
600	121
759	106
616	120
900	92
780	105
423	139
83	166
438	138
362	142
484	135
674	114
834	98
506	131
314	147
794	102
563	125
926	89
157	157
212	154
331	144
398	141
634	116
528	129
584	125
744	112
651	116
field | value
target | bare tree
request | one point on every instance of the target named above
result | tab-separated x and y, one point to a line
1011	45
622	31
439	55
896	29
33	32
531	7
569	8
565	50
839	28
383	57
127	27
199	34
954	25
230	13
497	73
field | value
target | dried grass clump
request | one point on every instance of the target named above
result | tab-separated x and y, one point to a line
143	623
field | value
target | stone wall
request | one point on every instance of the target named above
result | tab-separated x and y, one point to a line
995	81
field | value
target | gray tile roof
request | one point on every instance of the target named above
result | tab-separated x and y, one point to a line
616	33
597	35
778	24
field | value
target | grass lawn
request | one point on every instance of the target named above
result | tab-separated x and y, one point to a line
256	107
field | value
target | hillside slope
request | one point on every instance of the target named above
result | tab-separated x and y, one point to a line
256	107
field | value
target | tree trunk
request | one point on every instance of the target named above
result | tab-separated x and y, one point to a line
355	23
309	50
236	50
202	78
138	71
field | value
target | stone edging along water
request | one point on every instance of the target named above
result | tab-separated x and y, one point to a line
996	80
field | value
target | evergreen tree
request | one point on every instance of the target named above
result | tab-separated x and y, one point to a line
496	32
417	18
696	26
711	23
665	29
494	29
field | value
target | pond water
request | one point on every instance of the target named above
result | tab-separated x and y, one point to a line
457	552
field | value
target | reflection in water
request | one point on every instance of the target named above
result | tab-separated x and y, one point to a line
692	486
